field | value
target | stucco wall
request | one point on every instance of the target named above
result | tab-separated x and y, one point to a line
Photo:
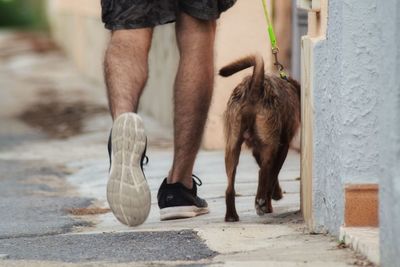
389	14
346	89
327	186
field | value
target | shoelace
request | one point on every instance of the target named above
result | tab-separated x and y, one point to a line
145	160
197	180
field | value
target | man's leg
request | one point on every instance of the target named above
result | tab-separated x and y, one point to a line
193	90
126	69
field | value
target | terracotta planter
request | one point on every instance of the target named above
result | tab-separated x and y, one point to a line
361	205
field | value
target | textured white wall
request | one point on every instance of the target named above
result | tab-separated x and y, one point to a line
346	108
327	188
389	137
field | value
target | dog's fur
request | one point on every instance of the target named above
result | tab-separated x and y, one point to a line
264	112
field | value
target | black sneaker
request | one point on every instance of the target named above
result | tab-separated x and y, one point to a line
128	193
176	201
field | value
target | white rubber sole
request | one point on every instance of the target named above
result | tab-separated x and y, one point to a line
128	193
181	212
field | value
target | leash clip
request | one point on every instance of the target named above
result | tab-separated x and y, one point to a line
278	65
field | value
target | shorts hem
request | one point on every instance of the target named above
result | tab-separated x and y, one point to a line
131	26
199	13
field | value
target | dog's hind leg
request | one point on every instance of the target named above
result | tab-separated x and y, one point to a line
232	153
265	180
234	141
280	159
257	157
277	193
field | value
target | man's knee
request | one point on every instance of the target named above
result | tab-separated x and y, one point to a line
188	24
195	37
134	40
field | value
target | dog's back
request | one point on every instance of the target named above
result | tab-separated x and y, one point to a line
268	106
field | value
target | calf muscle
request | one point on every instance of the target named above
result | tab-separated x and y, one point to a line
126	69
193	91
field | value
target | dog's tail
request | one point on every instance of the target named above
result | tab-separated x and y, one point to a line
255	61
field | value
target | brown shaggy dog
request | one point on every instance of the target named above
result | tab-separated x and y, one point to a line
264	112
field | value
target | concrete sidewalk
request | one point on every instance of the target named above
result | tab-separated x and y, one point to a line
53	175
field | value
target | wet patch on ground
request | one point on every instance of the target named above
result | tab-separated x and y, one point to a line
57	118
111	247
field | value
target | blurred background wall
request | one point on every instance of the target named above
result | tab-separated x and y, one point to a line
77	28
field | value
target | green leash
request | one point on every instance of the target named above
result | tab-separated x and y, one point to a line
274	45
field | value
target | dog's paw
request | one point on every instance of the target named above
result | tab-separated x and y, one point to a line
262	207
231	217
277	194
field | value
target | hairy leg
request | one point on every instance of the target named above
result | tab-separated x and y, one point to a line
193	90
126	69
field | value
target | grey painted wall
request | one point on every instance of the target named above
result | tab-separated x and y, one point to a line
328	203
299	29
389	14
346	89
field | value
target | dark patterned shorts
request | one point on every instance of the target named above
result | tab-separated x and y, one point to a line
132	14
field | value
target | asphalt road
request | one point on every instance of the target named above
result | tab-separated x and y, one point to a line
34	224
29	206
110	247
